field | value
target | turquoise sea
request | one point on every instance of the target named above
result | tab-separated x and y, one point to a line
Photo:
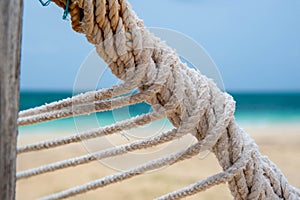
251	108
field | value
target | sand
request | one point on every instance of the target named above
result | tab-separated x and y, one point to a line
280	142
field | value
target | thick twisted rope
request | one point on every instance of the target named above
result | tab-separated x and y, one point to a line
138	58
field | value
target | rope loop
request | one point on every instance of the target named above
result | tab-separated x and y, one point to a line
66	11
45	3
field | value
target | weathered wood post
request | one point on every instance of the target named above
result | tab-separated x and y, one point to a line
11	12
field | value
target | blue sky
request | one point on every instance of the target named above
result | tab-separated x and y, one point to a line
255	44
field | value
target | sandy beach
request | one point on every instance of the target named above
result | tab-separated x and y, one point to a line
280	142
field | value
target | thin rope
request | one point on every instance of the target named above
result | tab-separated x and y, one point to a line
183	129
77	100
148	166
149	142
201	186
211	181
82	109
206	144
66	12
29	116
114	151
100	132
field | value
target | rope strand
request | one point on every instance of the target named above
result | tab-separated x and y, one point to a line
80	99
119	126
82	109
115	151
108	180
214	180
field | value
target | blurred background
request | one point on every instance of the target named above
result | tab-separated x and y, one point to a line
255	45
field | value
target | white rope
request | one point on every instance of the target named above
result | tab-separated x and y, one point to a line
86	103
114	151
117	127
83	109
78	99
151	165
194	103
205	144
149	142
211	181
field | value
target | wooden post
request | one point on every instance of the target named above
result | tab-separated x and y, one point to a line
11	12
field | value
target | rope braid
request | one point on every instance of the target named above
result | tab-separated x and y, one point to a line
194	103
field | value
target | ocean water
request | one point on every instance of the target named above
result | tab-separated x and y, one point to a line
262	108
251	108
